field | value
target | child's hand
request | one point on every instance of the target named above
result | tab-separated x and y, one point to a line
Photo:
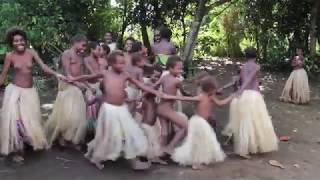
160	94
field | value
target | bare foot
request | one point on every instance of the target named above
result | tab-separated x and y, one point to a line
199	167
18	159
245	156
97	164
227	142
139	165
159	161
87	155
62	142
77	147
167	150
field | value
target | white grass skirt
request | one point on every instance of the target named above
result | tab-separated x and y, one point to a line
296	89
21	120
200	146
250	125
153	136
133	92
117	132
68	118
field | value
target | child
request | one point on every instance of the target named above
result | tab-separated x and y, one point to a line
68	119
21	117
170	85
201	146
250	123
136	72
116	130
236	84
296	89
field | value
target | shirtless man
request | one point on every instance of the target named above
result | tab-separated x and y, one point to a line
68	119
170	85
164	46
109	41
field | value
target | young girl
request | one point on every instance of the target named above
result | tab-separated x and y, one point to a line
136	72
116	130
296	89
250	123
201	146
21	117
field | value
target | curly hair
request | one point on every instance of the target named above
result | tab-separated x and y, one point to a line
13	32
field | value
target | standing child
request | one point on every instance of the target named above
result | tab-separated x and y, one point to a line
21	117
201	146
251	125
136	71
68	119
297	89
170	85
116	130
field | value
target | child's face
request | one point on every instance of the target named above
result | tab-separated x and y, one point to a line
128	45
19	43
108	38
120	64
96	52
142	62
102	53
177	69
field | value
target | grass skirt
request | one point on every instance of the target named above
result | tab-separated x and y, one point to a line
200	146
68	118
153	136
133	92
92	110
117	132
21	120
250	125
296	89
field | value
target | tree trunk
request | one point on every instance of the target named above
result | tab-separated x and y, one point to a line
193	34
145	36
313	31
124	24
201	11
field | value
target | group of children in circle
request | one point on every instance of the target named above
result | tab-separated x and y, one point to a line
133	115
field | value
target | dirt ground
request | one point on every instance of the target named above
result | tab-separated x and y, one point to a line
300	156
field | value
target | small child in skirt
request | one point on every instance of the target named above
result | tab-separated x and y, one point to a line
201	146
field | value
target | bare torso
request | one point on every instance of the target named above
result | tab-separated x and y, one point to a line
170	85
73	63
94	66
114	83
164	47
204	106
22	65
248	68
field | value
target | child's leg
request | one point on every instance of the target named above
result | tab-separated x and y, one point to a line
149	112
164	132
178	119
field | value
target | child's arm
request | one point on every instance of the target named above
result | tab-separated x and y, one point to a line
182	90
6	66
181	98
88	77
228	85
143	87
219	102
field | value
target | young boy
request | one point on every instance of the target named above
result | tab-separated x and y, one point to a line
116	130
135	71
170	85
68	119
201	146
250	123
